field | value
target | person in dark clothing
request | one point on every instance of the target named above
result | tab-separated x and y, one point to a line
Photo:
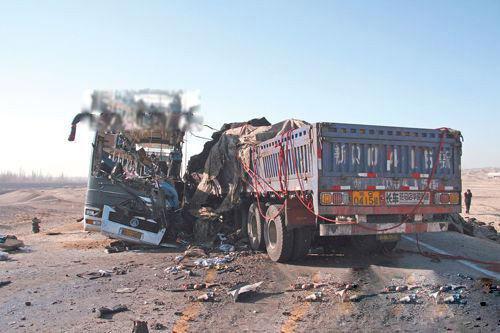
468	200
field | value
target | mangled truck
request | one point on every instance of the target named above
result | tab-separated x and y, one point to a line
294	183
134	184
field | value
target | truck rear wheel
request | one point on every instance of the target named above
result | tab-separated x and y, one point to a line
279	240
255	227
302	238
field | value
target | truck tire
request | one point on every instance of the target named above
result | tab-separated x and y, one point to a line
255	227
279	240
302	238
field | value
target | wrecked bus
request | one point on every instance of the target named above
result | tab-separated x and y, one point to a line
134	185
343	182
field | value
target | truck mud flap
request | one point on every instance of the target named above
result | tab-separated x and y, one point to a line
128	232
380	228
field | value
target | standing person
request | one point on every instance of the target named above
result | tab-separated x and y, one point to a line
468	200
35	225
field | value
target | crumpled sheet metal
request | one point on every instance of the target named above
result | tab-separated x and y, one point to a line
223	166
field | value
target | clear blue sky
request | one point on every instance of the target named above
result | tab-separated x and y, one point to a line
409	63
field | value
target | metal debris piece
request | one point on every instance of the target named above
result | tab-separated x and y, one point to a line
244	289
207	297
355	298
435	295
315	297
454	299
5	282
409	299
211	262
140	327
226	248
342	294
195	252
103	311
4	256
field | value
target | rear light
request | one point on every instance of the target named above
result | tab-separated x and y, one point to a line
334	198
447	198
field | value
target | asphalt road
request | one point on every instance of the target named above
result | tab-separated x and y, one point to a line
62	302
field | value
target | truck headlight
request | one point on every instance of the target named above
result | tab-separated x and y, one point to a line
93	212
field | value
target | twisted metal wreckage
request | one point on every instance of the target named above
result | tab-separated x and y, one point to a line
135	189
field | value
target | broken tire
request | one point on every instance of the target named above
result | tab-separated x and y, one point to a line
279	240
302	238
255	226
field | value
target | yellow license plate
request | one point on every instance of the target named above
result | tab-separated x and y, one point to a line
388	237
131	233
366	198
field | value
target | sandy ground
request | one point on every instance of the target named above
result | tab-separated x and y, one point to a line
45	274
485	195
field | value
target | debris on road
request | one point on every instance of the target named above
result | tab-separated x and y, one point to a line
140	327
211	262
116	247
94	275
195	252
455	299
4	256
314	297
207	297
409	299
5	282
104	311
10	243
244	289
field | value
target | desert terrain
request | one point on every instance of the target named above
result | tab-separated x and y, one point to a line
50	289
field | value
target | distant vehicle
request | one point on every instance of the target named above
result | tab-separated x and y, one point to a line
338	182
494	175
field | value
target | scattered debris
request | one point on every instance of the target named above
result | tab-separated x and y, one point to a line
140	327
455	299
104	311
53	233
94	275
409	299
116	247
244	289
5	282
27	303
125	290
10	243
314	297
355	298
4	256
207	297
211	262
158	326
226	248
195	252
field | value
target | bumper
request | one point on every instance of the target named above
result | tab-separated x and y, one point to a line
331	229
91	223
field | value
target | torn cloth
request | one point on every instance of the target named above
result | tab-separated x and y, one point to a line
222	173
